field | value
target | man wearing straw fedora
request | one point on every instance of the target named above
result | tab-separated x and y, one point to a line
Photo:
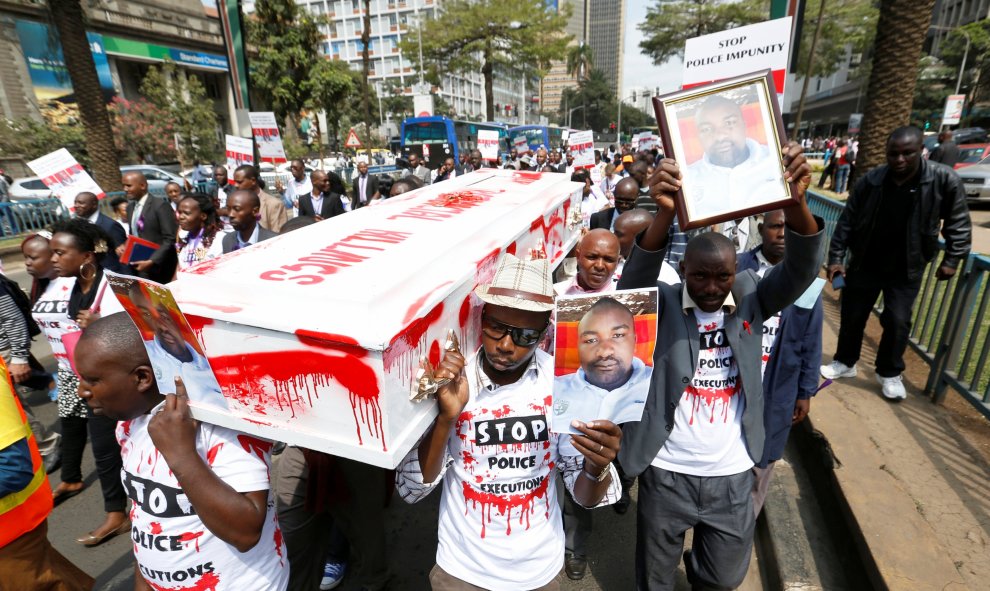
493	453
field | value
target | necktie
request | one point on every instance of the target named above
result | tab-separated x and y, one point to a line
135	218
361	193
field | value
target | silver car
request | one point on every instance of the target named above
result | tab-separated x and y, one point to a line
157	177
976	180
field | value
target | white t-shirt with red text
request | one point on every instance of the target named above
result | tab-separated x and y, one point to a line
500	523
707	438
173	549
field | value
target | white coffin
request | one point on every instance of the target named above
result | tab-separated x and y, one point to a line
315	336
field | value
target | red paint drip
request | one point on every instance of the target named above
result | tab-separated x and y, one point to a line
197	323
191	537
248	379
511	249
207	582
414	308
465	312
211	455
435	353
156	527
254	445
505	504
324	339
710	398
278	544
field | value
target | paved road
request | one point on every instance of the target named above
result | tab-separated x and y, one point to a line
980	215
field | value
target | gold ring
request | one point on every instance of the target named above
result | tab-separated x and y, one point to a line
601	446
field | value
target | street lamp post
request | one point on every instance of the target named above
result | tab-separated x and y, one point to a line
571	112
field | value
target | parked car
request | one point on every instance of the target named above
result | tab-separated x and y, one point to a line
157	177
970	154
29	188
976	180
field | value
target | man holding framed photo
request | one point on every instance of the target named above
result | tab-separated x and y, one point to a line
702	428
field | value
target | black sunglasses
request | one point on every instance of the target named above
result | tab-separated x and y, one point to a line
522	337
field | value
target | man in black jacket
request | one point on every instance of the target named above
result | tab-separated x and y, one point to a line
889	228
87	207
947	151
322	202
151	218
626	193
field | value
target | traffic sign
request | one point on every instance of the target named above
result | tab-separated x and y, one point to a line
352	140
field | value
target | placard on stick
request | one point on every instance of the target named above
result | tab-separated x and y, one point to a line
65	177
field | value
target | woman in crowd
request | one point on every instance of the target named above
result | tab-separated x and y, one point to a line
119	207
75	295
199	227
609	182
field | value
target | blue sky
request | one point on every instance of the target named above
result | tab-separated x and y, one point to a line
638	69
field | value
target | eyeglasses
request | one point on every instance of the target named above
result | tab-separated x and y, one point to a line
522	337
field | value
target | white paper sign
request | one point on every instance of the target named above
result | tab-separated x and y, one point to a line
521	144
953	109
488	144
739	51
239	151
266	135
65	177
582	148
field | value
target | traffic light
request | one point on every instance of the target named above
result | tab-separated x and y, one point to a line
611	126
498	107
634	96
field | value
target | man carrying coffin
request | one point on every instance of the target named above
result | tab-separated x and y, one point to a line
491	450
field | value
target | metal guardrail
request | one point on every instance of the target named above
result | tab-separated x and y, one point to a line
29	215
950	326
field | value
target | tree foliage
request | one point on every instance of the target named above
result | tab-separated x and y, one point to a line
287	39
848	24
935	82
669	23
580	61
32	139
181	99
489	35
142	130
332	87
976	76
597	97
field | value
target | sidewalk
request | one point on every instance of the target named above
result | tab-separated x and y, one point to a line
915	476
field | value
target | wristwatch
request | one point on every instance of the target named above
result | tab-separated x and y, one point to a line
601	477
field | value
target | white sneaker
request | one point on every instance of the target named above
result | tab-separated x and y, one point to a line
893	388
836	370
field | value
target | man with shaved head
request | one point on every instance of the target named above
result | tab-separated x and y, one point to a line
625	194
321	202
151	218
703	430
597	255
201	508
736	170
87	207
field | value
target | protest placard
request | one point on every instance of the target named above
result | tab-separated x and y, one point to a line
267	138
582	148
239	151
65	177
488	144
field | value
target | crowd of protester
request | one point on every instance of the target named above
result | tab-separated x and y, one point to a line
737	308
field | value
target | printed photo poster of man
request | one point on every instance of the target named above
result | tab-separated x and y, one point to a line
726	138
172	346
603	357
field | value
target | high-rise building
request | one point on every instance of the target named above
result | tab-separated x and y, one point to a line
606	28
391	21
949	14
558	78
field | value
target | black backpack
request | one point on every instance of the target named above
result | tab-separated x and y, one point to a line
21	300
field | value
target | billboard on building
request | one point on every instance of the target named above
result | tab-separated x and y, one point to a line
46	66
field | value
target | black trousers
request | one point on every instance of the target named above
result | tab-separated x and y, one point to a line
106	452
858	298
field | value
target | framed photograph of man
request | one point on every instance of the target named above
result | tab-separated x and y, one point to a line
603	357
727	139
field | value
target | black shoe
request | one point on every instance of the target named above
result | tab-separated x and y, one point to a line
575	567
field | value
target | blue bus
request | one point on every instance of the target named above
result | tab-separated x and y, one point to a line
437	138
538	135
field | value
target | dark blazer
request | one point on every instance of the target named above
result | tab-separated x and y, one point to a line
215	192
676	354
331	205
370	189
161	227
230	238
601	219
792	371
117	237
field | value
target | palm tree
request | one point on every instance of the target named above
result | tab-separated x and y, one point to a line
366	64
70	23
901	31
580	61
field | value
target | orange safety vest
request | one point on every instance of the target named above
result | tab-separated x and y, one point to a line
22	511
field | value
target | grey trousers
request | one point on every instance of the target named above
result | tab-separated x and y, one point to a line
718	508
761	485
577	527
